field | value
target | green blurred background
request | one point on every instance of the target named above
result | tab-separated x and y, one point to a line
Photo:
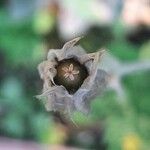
119	119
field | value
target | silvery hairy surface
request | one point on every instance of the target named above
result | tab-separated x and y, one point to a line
56	97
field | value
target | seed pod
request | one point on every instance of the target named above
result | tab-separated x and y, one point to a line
71	78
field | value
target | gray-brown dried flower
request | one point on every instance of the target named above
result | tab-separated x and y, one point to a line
71	78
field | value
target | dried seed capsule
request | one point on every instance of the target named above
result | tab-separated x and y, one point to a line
71	78
71	74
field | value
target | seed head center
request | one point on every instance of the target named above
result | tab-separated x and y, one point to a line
70	72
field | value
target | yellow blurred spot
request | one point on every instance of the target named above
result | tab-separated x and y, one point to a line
57	135
131	142
43	22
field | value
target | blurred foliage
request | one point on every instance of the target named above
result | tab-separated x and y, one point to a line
19	42
22	116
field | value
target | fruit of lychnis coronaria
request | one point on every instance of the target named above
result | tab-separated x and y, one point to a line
71	78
